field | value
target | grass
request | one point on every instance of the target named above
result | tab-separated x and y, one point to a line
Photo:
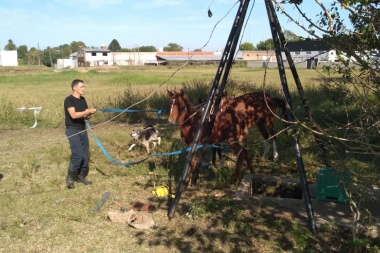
38	213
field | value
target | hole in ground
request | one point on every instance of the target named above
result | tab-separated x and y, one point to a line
271	186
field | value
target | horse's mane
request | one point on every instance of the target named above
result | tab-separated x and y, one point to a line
188	105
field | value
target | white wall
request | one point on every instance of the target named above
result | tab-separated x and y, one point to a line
121	58
65	63
99	59
8	58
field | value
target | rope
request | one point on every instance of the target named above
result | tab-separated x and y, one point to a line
159	112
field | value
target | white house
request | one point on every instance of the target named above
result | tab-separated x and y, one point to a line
310	49
8	58
102	56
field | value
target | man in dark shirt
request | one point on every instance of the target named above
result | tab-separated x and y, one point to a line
76	113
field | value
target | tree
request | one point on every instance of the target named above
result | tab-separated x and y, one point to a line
114	46
357	134
290	36
57	53
265	45
75	45
173	47
147	49
247	46
33	56
22	52
126	50
66	50
47	57
10	45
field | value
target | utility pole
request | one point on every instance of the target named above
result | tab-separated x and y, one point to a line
39	54
51	61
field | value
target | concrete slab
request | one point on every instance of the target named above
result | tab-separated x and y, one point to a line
324	211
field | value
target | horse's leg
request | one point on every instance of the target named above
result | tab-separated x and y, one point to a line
221	160
215	151
270	128
241	154
192	173
194	169
213	157
264	132
275	153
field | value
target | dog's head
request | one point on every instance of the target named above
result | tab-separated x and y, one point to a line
135	134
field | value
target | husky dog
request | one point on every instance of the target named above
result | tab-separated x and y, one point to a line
145	136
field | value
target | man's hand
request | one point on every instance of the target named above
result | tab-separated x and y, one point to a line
91	110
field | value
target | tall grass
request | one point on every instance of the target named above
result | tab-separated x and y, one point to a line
48	89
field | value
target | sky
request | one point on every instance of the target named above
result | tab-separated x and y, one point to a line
133	23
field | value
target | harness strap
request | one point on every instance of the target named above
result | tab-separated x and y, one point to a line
159	112
106	153
133	163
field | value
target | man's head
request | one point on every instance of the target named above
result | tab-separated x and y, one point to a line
77	86
75	83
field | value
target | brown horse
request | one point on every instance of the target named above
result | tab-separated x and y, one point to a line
258	108
228	127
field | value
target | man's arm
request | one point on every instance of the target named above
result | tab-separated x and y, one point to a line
77	115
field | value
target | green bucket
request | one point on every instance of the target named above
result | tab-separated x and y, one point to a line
330	185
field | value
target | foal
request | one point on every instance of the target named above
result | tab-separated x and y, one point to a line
228	127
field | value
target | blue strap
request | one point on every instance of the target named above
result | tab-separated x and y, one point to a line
106	153
133	163
159	112
176	152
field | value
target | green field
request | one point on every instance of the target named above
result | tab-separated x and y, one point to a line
38	213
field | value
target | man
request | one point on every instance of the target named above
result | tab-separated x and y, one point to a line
76	113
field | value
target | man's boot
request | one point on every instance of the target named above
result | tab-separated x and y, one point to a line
82	177
70	179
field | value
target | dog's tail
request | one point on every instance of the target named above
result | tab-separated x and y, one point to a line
148	126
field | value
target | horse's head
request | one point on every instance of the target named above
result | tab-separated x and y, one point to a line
175	106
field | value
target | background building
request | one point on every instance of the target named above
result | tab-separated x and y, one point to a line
8	58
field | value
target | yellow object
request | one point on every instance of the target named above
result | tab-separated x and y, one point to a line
161	191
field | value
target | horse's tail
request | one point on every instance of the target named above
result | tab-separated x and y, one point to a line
281	104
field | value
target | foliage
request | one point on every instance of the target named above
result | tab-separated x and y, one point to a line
47	58
114	46
22	54
246	46
126	50
33	56
357	42
10	46
65	49
290	36
265	45
173	47
75	45
147	49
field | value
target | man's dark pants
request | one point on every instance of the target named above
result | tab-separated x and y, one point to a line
79	146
